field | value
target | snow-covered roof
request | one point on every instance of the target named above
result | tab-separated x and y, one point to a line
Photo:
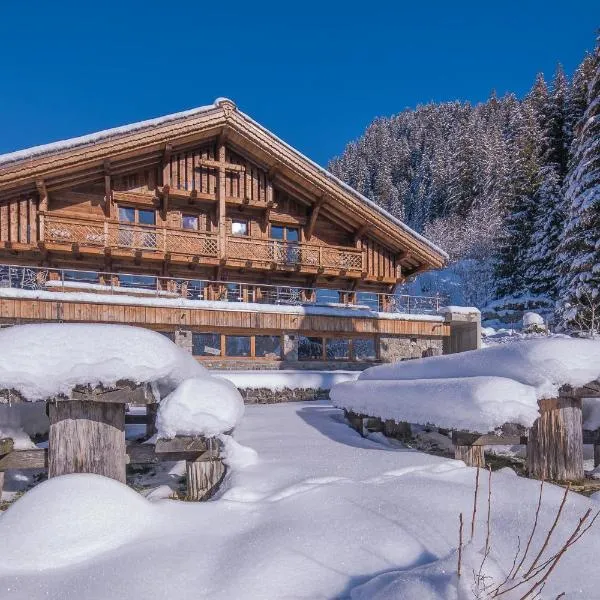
99	136
116	132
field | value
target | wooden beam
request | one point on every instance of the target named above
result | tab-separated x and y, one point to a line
221	206
42	208
107	189
313	218
166	164
361	232
215	164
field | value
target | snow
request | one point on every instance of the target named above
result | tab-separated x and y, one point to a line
68	519
100	136
205	406
287	379
472	403
20	421
94	298
460	310
532	319
46	360
478	390
323	513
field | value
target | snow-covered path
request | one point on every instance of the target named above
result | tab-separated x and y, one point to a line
322	511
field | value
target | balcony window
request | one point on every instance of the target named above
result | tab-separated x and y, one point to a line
369	299
337	349
146	282
146	217
206	344
310	348
239	227
237	345
285	233
189	222
325	296
128	235
364	349
268	346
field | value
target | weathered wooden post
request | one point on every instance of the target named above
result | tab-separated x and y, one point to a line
205	472
87	437
469	448
555	447
151	411
6	446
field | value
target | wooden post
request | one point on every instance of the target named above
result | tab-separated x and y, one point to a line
596	454
87	437
151	410
472	456
203	477
555	448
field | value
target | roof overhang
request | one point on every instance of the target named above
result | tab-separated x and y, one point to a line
19	171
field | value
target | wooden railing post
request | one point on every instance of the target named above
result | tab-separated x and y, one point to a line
555	447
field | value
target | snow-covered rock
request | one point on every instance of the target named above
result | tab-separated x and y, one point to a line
45	360
532	321
205	406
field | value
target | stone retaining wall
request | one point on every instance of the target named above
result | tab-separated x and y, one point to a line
268	396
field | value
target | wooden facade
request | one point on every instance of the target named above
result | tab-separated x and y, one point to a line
208	194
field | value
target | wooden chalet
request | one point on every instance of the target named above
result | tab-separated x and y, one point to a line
196	209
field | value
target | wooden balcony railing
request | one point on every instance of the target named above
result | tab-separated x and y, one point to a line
110	234
292	254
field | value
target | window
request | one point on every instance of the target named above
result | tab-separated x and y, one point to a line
83	276
337	349
310	348
147	282
285	233
195	288
324	296
189	222
237	345
268	346
129	236
206	344
364	349
239	227
369	299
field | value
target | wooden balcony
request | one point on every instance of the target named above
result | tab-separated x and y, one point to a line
114	235
94	236
295	255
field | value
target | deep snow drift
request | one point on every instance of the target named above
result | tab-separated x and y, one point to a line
477	390
322	512
45	360
200	406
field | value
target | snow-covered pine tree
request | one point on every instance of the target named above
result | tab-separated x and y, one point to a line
580	248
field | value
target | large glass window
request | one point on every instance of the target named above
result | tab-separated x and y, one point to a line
337	349
268	346
206	344
310	348
239	227
285	233
237	345
364	349
126	214
324	296
369	299
146	217
138	281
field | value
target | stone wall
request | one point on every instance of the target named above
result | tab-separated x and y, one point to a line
231	364
267	396
395	348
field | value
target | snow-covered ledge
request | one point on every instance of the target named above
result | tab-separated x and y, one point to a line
465	328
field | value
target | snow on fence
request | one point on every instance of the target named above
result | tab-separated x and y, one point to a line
87	374
530	392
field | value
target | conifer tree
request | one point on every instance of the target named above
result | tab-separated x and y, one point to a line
580	281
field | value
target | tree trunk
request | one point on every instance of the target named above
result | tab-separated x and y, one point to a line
203	478
87	437
555	446
472	456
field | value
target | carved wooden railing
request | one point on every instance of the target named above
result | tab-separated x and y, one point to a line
110	234
291	254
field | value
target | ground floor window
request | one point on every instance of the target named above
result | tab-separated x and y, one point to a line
364	349
206	344
337	349
310	348
237	345
268	346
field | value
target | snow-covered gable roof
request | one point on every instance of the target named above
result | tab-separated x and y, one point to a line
30	155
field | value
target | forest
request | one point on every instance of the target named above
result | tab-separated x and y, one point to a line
510	188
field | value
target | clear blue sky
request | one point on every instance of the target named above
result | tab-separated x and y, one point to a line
315	73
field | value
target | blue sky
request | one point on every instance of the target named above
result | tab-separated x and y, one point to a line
315	73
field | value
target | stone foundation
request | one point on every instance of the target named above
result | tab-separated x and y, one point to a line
267	396
395	348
